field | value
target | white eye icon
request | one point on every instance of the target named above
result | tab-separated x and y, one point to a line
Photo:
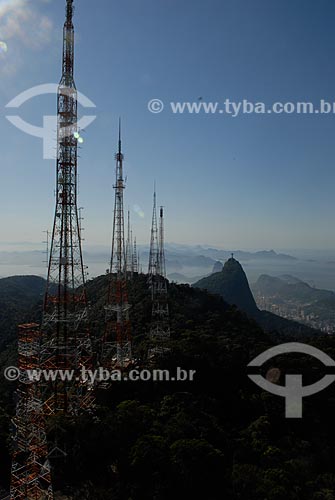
48	130
293	391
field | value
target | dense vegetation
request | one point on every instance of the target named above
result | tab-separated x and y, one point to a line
18	298
18	294
217	437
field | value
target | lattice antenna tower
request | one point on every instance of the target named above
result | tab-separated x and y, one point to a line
63	341
65	338
135	260
116	344
129	250
161	244
153	268
160	324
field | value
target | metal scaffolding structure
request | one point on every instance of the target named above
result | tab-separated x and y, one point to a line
31	476
116	344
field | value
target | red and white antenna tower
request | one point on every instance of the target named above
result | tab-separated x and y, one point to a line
63	341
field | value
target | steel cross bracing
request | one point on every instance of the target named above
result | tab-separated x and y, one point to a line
66	341
129	250
161	249
31	476
135	258
160	325
153	269
116	345
63	341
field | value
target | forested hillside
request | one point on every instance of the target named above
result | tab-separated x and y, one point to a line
217	437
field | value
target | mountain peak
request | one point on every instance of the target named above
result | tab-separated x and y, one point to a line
232	284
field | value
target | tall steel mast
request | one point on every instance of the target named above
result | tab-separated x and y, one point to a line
161	244
160	325
65	335
135	260
116	345
153	268
63	341
129	250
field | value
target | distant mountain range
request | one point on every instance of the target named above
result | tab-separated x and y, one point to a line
211	260
243	255
289	287
232	284
187	263
178	260
186	260
293	298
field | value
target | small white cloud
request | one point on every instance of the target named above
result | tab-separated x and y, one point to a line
21	26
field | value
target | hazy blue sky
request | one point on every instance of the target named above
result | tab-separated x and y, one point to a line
253	181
